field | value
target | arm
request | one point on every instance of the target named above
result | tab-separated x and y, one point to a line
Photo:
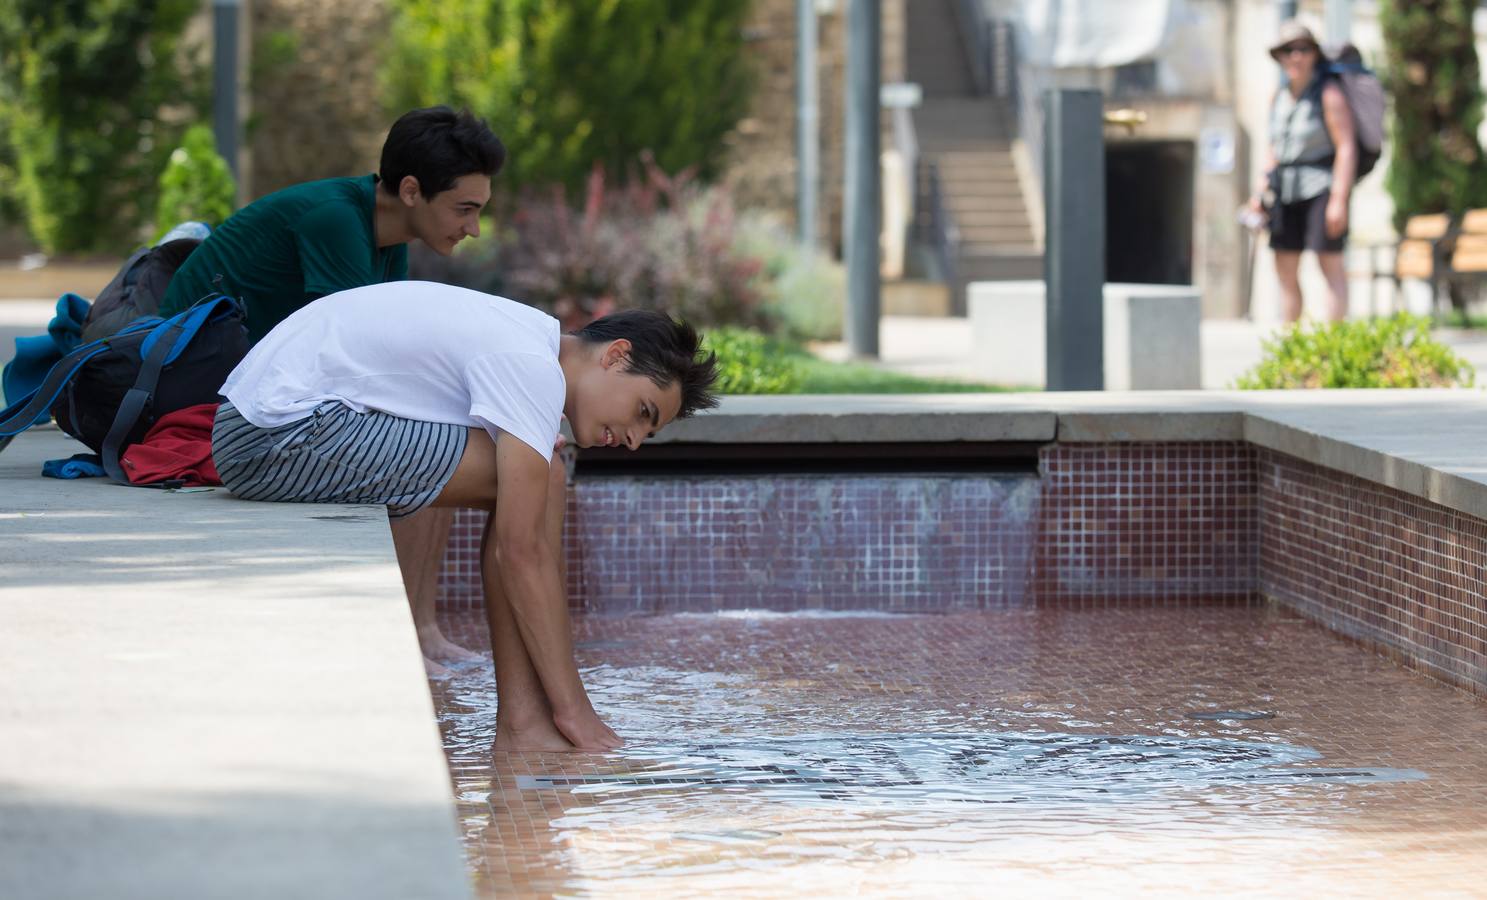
1339	121
1266	168
529	574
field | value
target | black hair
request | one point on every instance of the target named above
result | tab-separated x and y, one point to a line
662	349
438	145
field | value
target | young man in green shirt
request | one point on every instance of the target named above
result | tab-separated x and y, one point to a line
305	242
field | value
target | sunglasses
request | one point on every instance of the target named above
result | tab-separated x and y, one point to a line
1294	49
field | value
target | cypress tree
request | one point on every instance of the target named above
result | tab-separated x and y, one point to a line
1432	73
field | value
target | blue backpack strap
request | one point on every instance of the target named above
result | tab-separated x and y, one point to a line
26	411
166	342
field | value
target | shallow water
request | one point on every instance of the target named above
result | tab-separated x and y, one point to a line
1043	752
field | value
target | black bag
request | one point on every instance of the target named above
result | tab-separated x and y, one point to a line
107	393
137	290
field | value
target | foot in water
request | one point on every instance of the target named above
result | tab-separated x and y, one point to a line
542	736
443	652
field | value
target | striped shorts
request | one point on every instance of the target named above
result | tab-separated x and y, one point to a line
338	455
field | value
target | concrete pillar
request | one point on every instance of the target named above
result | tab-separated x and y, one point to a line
808	125
1074	258
861	214
226	15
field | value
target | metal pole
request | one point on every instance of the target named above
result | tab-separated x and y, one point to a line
1074	262
861	211
808	125
225	14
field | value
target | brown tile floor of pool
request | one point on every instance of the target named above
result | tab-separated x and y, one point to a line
1046	753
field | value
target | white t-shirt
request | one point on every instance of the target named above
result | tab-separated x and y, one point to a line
413	349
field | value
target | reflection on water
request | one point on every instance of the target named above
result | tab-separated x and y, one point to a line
892	769
731	784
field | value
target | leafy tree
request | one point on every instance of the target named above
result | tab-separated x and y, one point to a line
1433	73
196	184
568	83
82	84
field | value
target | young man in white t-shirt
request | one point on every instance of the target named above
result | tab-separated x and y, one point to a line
412	394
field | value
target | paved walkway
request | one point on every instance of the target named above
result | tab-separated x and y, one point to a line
944	347
922	345
203	697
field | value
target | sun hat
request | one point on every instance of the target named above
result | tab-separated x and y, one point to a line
1290	32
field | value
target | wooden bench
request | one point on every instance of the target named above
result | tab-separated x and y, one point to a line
1421	254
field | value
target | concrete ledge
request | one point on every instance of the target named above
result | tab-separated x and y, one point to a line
1426	443
209	698
851	418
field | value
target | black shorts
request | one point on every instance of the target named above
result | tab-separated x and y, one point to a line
1303	226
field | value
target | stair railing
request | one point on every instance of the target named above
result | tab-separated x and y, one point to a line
1030	82
936	229
974	25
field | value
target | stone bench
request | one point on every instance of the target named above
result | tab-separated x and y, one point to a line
1151	334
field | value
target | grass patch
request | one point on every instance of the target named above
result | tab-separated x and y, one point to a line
750	362
822	377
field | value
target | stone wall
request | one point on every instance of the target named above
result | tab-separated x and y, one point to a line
762	164
316	107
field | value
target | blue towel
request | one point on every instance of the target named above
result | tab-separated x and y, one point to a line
35	356
79	465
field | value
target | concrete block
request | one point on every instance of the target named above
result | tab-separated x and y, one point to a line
1008	329
1151	337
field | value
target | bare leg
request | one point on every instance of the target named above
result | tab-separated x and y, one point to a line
420	541
1335	270
523	715
1288	270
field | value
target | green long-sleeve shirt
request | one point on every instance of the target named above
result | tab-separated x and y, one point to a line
288	248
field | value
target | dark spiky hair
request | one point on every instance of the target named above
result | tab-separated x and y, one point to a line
663	349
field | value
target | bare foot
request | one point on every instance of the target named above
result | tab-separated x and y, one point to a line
543	737
438	647
434	670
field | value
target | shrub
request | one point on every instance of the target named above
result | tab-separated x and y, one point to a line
82	85
567	83
804	291
1394	352
196	184
750	362
664	244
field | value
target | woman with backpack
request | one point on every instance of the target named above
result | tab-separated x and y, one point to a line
1310	167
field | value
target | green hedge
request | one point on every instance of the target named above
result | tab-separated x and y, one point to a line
568	83
82	87
1394	352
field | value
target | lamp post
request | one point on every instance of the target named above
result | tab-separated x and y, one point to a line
861	197
808	124
225	15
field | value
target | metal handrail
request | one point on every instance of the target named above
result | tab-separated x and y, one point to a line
1030	83
972	19
935	227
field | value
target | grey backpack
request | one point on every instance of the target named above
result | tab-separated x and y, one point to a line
1366	100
